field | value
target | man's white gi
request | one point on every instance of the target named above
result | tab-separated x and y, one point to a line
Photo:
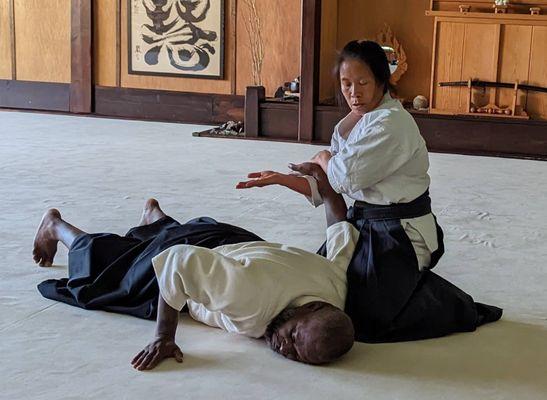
242	287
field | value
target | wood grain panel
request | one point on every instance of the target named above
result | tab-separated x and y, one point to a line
5	40
178	84
43	40
104	42
537	102
450	38
479	62
281	28
329	32
514	60
359	19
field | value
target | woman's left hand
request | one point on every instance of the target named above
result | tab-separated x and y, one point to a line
322	159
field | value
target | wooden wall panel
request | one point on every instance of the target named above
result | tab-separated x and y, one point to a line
450	37
5	40
42	30
329	33
514	60
104	42
281	26
358	19
179	84
537	102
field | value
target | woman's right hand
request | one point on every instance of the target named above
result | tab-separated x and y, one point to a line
313	169
260	179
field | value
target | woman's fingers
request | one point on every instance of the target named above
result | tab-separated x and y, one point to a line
307	168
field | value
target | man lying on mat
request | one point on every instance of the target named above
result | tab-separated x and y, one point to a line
292	298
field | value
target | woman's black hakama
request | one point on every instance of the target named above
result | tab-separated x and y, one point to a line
389	299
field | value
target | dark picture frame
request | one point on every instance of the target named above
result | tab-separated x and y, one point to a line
173	46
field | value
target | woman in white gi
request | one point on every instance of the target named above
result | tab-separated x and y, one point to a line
379	159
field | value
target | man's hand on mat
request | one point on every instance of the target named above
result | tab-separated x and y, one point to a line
260	179
156	351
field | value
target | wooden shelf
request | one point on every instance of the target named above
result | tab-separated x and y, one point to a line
485	15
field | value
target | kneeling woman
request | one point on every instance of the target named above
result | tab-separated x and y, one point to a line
379	159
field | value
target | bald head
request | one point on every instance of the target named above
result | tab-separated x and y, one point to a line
315	333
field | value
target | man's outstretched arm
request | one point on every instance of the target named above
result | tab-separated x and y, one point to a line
335	205
163	346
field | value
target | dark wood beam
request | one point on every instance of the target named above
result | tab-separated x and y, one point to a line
48	96
164	105
81	61
309	68
253	96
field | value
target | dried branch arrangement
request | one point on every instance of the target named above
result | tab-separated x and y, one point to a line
253	26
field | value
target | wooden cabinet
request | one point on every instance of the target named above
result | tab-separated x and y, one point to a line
489	47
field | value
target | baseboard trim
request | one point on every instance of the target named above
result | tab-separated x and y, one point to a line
31	95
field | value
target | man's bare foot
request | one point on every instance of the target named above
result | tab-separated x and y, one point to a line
45	241
151	212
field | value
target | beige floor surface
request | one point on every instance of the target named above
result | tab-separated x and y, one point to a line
100	171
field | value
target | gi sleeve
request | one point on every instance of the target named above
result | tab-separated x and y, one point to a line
370	156
315	199
341	241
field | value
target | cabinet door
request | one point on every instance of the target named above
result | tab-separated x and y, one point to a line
514	61
479	60
448	60
464	50
537	101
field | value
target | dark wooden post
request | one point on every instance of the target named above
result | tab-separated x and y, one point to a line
81	60
253	96
309	68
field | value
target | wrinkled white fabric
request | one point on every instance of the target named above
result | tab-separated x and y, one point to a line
242	287
383	160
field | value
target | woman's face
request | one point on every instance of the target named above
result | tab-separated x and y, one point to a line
359	87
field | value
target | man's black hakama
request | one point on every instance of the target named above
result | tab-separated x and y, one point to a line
114	273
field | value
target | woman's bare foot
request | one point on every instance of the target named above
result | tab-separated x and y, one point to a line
46	239
151	212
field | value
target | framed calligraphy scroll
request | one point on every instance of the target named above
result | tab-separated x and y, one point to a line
183	38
